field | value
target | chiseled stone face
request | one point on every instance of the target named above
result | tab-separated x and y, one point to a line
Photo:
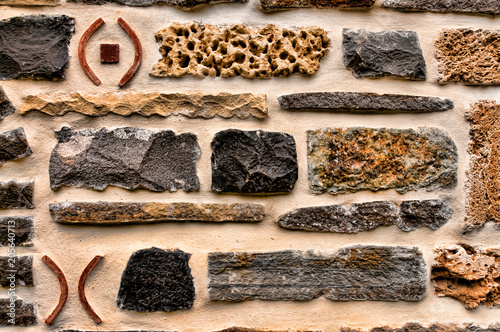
207	50
287	4
16	195
20	226
13	145
416	327
183	4
23	267
25	313
6	107
491	7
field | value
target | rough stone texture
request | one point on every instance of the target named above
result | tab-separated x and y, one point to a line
21	227
245	329
13	145
354	273
359	102
105	213
468	274
6	107
157	280
342	160
113	331
182	4
366	216
35	47
126	157
110	53
17	270
253	162
416	327
197	105
287	4
491	7
16	195
25	313
468	56
30	2
268	51
386	53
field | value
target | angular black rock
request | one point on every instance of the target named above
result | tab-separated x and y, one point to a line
354	273
13	145
157	280
16	195
126	157
16	270
253	162
387	53
6	107
16	231
35	47
183	4
24	313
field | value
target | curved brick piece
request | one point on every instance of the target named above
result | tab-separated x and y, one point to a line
13	145
6	107
288	4
16	195
416	327
491	7
24	313
17	270
21	226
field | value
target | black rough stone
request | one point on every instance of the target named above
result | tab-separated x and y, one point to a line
13	145
22	227
183	4
16	195
20	268
25	313
6	107
432	213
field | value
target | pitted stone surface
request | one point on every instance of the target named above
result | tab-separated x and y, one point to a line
25	313
491	7
157	280
386	53
268	51
287	4
16	195
126	157
182	4
354	273
17	270
13	145
21	227
416	327
35	47
342	160
253	162
468	56
6	107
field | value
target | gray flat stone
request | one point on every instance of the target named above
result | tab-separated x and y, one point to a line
6	107
24	313
287	4
16	231
182	4
491	7
16	195
13	145
15	271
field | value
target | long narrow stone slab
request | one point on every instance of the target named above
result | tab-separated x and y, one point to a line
246	329
16	3
6	107
491	7
16	195
16	312
437	327
197	105
16	231
353	273
15	271
182	4
13	145
287	4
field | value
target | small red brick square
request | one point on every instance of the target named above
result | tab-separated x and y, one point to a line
110	53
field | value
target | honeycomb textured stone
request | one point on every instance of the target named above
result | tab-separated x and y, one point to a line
182	4
35	47
354	273
268	51
287	4
105	213
157	280
468	274
13	145
416	327
342	160
360	217
6	107
126	157
21	227
15	271
25	313
468	56
386	53
491	7
196	105
16	195
253	162
30	2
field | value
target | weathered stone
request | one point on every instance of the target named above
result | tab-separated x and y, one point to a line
196	105
20	227
366	216
110	53
287	4
468	274
25	313
354	273
17	270
358	102
468	56
342	160
416	327
245	329
30	2
157	280
386	53
6	107
182	4
268	51
114	331
491	7
253	162
13	145
126	157
16	195
35	47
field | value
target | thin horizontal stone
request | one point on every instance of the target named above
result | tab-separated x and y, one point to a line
182	4
289	4
490	7
245	329
21	227
13	145
437	327
16	195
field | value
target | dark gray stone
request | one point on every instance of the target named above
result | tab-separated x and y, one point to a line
491	7
35	47
126	157
287	4
16	231
253	162
416	327
359	102
157	280
386	53
354	273
432	213
13	145
6	107
16	270
16	195
183	4
17	312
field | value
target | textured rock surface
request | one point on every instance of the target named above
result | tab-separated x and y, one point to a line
13	145
342	160
183	4
359	102
287	4
386	53
354	273
21	227
126	157
468	274
6	107
225	105
359	217
416	327
30	2
16	195
105	213
206	50
35	47
245	329
468	56
110	53
444	6
253	162
25	313
17	270
157	280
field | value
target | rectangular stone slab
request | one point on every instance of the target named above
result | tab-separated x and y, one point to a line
16	195
13	145
16	3
105	213
491	7
245	329
16	231
287	4
16	270
182	4
437	327
353	273
25	313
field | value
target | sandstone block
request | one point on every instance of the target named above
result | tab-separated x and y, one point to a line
15	271
6	107
16	195
437	327
287	4
20	227
182	4
491	7
13	145
25	313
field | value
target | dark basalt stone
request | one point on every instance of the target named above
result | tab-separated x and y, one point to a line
16	195
416	327
157	280
183	4
387	53
24	313
13	145
20	227
491	7
35	47
17	270
253	162
288	4
6	107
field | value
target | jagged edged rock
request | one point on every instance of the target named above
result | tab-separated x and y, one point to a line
6	107
16	270
16	195
182	4
13	145
20	226
287	4
437	327
24	312
491	7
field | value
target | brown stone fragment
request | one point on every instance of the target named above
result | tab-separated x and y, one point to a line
25	313
416	327
16	195
110	53
287	4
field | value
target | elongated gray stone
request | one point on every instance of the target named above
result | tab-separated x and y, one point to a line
437	327
16	195
6	107
183	4
16	231
16	312
491	7
246	329
126	157
16	270
359	102
287	4
386	53
13	145
354	273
